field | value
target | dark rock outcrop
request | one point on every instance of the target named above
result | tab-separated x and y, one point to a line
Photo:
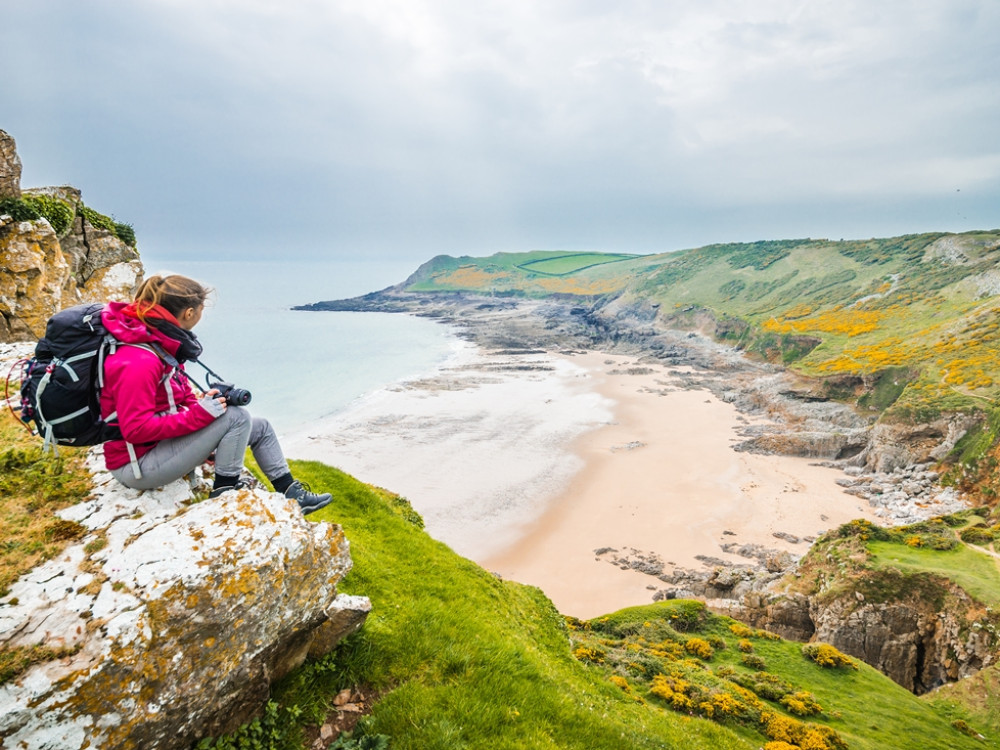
931	635
894	445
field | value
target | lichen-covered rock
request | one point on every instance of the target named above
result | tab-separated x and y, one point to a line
114	282
10	167
181	616
35	279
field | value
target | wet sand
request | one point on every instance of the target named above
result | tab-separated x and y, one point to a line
664	479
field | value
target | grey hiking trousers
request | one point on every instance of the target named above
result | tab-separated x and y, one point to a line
228	436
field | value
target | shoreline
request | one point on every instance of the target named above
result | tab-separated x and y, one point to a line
529	464
472	445
611	461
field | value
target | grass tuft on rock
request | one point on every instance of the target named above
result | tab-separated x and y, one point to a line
32	486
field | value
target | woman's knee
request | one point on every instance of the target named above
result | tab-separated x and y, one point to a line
237	418
260	428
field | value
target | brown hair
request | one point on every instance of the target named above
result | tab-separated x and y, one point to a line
174	293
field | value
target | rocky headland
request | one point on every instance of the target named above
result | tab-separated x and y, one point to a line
892	467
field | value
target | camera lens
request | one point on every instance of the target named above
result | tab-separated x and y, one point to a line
238	397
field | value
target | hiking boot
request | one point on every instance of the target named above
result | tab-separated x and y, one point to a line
240	484
308	501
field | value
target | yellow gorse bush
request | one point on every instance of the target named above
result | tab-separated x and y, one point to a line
827	656
797	734
594	655
699	647
801	704
838	320
620	682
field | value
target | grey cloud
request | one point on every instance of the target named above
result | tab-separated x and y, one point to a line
411	128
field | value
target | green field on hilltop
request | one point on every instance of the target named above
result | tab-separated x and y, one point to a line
533	274
572	263
972	569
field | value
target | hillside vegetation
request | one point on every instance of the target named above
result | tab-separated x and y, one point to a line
462	659
907	327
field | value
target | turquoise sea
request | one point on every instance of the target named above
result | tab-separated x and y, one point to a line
303	366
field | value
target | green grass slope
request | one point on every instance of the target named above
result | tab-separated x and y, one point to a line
467	660
463	659
977	697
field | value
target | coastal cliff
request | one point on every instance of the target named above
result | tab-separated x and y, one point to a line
911	434
912	602
55	252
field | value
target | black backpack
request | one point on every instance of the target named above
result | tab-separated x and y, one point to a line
61	384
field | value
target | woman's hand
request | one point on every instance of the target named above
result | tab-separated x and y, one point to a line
215	392
213	403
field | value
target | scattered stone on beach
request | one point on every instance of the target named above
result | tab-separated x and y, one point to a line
790	538
633	371
630	446
720	580
712	562
632	559
748	551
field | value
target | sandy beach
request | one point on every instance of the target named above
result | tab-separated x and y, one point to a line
545	468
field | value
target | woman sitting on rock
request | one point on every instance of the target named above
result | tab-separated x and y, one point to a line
167	429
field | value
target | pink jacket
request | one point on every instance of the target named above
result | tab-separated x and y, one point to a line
134	388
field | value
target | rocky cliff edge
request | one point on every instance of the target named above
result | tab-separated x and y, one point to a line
44	269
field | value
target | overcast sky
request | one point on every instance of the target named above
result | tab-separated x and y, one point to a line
400	129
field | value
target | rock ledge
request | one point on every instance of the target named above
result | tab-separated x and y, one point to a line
179	615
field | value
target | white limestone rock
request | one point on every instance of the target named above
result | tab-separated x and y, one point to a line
179	615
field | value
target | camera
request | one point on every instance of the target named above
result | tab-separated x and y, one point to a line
234	396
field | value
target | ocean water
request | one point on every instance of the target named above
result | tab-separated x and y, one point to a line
303	366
